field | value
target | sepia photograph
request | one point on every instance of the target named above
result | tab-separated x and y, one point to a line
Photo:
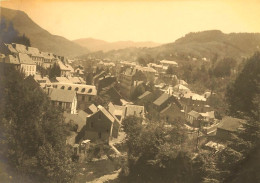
129	91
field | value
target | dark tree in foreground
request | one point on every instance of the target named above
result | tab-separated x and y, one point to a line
158	153
243	94
32	132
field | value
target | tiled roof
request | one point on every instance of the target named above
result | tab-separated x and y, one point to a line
78	88
194	96
63	66
20	48
145	69
164	97
168	62
231	124
106	113
62	95
25	59
11	48
34	52
93	108
144	95
12	59
194	114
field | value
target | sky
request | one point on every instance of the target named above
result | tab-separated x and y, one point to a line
159	21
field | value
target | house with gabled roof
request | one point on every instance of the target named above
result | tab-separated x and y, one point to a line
85	93
229	126
22	62
163	101
194	118
65	99
102	126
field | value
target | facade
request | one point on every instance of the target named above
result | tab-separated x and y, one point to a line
22	62
101	126
65	99
194	118
127	82
85	93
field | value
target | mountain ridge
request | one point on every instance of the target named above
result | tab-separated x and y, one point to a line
100	45
40	37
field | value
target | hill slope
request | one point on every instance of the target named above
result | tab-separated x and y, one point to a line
199	45
39	37
100	45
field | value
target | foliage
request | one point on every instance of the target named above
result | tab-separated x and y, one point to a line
31	125
158	153
10	35
54	71
243	94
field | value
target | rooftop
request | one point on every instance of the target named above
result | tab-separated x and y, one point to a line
62	95
194	114
231	124
144	95
163	98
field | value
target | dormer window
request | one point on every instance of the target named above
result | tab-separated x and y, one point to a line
69	88
76	89
90	90
83	90
62	87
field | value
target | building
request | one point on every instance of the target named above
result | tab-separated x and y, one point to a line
121	112
102	126
194	118
147	71
169	63
173	112
22	62
229	126
44	82
163	101
65	69
145	97
85	93
66	99
127	82
78	121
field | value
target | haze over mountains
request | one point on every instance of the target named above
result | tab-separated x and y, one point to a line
100	45
208	44
198	44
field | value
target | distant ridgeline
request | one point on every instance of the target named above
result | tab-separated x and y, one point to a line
8	34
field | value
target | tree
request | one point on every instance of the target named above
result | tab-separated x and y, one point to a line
244	90
157	153
54	71
28	122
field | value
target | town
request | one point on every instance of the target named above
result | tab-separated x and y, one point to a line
96	103
129	92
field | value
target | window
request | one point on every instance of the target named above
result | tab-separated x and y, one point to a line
76	89
83	90
62	87
69	88
89	99
90	90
